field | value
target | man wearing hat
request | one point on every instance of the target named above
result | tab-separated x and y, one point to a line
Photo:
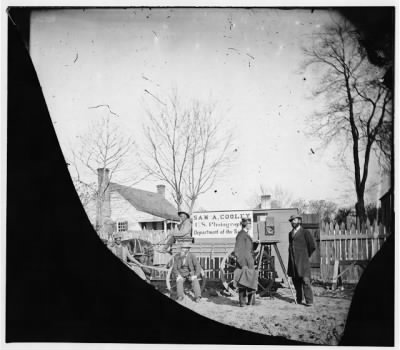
184	229
245	273
187	267
108	227
122	252
301	246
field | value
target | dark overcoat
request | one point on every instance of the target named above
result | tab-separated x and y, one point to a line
301	246
244	250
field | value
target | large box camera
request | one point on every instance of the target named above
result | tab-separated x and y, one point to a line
265	228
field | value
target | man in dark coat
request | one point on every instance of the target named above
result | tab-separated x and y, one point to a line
244	246
245	274
187	267
301	246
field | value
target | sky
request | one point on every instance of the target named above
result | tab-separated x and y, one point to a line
248	61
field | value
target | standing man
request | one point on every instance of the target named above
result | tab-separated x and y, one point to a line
187	267
245	274
301	247
122	252
184	230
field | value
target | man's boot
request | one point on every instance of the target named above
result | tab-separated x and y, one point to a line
251	298
242	297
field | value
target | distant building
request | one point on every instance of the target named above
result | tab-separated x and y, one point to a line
130	208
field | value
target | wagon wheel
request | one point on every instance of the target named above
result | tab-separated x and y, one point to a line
227	268
171	281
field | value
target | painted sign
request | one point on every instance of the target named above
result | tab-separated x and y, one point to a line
219	224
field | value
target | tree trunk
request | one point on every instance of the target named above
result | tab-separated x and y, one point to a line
179	204
360	208
192	203
359	184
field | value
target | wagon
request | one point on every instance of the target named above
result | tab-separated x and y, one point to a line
157	274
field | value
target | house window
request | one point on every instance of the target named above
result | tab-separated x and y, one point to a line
122	226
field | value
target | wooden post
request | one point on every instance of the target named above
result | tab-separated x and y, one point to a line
375	240
326	254
335	274
339	242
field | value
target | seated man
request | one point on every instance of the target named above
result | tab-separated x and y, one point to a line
184	230
122	252
187	267
108	228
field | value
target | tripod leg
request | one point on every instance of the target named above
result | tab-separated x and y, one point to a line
284	271
260	257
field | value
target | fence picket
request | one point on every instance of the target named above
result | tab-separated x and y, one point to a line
337	229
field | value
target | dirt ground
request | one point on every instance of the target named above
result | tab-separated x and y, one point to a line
323	323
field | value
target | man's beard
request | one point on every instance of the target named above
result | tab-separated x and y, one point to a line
295	225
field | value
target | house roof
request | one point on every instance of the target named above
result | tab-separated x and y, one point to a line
146	201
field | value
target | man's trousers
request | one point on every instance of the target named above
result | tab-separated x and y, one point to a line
195	286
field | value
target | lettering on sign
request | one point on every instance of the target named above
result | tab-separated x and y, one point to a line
219	224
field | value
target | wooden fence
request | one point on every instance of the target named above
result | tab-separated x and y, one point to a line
346	252
311	222
210	255
349	248
155	237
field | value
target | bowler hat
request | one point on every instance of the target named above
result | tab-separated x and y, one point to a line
245	221
184	212
292	217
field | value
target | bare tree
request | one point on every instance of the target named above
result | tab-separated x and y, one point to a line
187	147
325	209
103	146
301	205
87	191
358	105
208	154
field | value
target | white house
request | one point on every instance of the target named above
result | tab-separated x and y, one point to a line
135	209
130	208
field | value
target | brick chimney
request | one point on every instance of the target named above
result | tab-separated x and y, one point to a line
161	190
266	201
103	205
